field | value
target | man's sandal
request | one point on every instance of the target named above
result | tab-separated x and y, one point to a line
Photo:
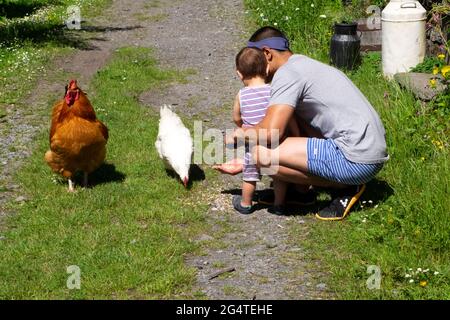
342	204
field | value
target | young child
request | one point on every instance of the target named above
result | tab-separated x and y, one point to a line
249	109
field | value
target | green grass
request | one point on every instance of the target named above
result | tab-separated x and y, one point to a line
407	225
32	34
130	231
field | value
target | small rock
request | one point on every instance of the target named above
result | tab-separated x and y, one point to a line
205	237
21	199
271	245
321	286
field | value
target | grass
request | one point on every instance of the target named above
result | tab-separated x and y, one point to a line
32	34
404	223
127	242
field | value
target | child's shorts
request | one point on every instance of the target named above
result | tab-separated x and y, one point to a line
250	172
327	161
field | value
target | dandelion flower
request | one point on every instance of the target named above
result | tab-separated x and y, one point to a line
435	70
433	82
441	56
445	70
423	283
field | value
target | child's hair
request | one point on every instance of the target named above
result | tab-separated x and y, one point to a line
251	63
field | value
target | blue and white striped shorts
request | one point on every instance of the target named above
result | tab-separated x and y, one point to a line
327	161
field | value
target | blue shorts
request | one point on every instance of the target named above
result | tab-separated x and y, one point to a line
327	161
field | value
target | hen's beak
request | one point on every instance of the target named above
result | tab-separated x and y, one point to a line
185	182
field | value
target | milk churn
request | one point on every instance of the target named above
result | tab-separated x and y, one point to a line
345	46
403	36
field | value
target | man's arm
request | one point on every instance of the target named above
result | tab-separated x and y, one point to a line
275	124
293	128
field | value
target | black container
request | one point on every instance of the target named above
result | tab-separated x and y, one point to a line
345	46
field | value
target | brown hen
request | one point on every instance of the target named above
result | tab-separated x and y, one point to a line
77	138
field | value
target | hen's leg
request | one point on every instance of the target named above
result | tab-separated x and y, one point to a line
71	188
85	180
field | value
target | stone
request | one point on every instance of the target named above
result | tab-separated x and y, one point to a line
205	237
321	286
419	84
21	199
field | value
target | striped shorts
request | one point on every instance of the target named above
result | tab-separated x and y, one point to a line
327	161
250	171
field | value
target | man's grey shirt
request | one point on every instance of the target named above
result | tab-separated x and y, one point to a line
326	98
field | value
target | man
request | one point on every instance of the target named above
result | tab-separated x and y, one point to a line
344	145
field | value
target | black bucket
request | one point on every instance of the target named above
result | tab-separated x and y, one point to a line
345	46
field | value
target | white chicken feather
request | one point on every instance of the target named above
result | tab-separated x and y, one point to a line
174	143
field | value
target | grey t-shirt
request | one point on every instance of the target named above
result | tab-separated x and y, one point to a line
324	97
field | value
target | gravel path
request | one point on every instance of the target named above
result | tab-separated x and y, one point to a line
202	37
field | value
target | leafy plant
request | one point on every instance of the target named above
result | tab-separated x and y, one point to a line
428	65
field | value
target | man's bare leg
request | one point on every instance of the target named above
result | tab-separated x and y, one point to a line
292	155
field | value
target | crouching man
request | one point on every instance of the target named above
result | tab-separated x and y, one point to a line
344	143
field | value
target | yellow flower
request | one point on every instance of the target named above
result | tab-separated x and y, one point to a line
445	70
433	83
441	56
435	70
423	283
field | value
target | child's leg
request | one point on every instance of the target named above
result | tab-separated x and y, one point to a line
250	175
248	190
280	189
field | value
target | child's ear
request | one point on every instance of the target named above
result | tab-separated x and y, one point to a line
240	75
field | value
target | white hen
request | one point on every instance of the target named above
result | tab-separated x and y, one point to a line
174	143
